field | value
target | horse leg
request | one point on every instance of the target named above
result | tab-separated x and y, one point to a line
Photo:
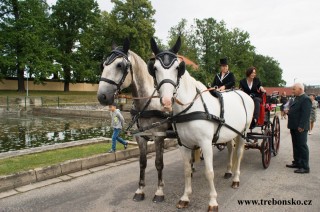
159	144
208	157
187	159
239	148
230	147
139	194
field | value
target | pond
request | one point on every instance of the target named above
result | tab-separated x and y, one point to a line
24	132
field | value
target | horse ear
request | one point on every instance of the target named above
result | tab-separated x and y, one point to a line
154	46
151	67
126	45
101	66
114	45
176	46
182	69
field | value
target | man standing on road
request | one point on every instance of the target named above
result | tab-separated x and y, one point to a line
298	123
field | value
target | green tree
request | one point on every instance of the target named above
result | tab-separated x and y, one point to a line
74	23
24	40
133	19
188	47
209	36
239	51
269	71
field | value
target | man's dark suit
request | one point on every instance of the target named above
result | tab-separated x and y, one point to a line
298	117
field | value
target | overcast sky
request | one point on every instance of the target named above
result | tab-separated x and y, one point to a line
287	30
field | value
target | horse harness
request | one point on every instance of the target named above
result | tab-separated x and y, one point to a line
197	115
205	115
167	58
116	53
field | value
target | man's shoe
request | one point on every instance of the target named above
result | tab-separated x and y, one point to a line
125	146
292	166
302	171
111	151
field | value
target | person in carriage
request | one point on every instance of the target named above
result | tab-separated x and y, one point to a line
225	79
252	86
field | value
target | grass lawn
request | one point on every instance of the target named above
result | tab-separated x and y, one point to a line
43	159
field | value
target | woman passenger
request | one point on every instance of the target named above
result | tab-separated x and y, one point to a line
252	86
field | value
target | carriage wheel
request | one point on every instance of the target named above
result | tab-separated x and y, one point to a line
276	135
266	151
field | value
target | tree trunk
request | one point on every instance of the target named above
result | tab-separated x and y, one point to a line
55	76
19	66
20	73
67	78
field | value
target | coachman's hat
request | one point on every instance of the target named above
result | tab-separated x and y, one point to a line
223	62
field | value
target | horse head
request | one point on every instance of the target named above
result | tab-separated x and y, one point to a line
115	71
166	70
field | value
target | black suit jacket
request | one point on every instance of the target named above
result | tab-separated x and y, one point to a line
254	91
299	113
228	81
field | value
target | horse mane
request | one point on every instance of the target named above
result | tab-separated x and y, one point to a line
144	84
188	78
139	63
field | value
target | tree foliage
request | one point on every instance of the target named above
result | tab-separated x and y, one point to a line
24	40
70	40
74	24
133	19
207	40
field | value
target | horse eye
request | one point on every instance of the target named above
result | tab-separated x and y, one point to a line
119	65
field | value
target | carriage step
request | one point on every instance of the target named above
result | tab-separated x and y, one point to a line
257	136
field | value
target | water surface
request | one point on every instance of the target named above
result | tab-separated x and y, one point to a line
24	132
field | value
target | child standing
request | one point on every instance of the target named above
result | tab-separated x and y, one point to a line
117	122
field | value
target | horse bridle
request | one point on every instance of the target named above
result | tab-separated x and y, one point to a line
114	55
167	59
166	63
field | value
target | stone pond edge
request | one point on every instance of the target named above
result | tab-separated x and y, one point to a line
9	182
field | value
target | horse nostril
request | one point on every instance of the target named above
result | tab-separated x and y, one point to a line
103	96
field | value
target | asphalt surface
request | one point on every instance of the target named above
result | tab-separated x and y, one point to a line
112	189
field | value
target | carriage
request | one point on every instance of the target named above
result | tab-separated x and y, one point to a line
269	130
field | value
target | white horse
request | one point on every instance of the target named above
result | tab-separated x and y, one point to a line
122	69
174	83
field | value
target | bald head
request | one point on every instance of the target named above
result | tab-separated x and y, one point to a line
297	89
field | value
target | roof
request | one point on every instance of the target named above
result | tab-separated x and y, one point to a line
270	90
189	62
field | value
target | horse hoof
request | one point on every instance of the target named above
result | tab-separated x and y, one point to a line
227	175
235	184
182	204
213	208
158	198
138	197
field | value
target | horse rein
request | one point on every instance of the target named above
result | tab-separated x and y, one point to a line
196	97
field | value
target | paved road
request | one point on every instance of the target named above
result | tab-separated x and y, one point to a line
112	189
